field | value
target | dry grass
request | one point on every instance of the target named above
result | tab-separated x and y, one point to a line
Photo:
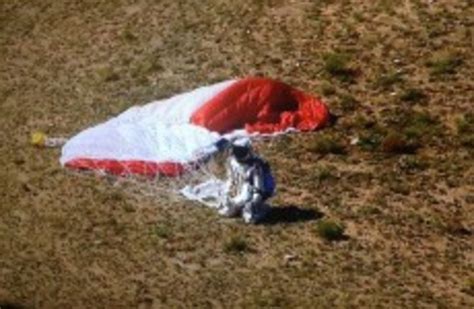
68	241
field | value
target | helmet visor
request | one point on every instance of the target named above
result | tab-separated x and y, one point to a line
240	152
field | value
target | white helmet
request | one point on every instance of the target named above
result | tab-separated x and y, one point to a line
242	149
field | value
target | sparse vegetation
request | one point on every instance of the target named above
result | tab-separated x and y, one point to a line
363	122
469	286
108	74
321	174
468	141
369	210
396	143
398	186
369	142
337	65
465	124
330	230
348	103
413	163
162	231
328	89
465	130
419	126
445	64
386	81
413	95
236	245
327	145
396	75
128	35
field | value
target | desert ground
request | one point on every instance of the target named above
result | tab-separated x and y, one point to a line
374	211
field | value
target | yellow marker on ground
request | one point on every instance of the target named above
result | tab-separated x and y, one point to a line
38	139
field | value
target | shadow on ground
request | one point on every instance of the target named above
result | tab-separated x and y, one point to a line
10	306
291	214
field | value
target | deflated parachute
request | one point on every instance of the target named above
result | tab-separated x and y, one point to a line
167	137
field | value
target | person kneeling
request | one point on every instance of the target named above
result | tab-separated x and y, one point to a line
249	184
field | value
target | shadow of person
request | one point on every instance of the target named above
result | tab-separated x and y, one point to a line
8	305
290	214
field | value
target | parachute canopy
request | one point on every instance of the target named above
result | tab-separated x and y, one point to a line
168	136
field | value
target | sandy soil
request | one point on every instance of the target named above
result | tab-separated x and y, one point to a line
398	73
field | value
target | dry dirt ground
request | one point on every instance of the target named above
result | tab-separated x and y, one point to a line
396	169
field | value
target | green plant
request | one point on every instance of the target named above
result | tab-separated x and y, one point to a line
128	35
107	74
469	286
363	122
337	65
445	65
420	125
322	174
348	103
397	143
326	145
465	124
412	95
236	245
328	89
386	81
413	163
468	141
399	187
369	210
162	231
330	230
369	142
465	130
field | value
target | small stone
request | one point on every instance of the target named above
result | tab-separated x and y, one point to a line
289	258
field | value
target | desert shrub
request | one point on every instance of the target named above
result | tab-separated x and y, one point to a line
465	130
321	175
369	210
420	126
327	145
108	74
397	143
469	286
348	103
399	187
412	95
413	163
328	89
236	245
369	141
465	124
468	141
330	230
445	65
386	81
337	65
128	35
162	231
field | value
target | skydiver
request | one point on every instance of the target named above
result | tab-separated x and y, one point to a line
249	184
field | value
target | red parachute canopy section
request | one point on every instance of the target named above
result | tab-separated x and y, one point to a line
261	105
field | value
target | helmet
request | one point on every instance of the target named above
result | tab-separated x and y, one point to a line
242	149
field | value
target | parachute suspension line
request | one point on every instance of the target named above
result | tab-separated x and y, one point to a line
160	186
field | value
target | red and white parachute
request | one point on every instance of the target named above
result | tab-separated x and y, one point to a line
166	137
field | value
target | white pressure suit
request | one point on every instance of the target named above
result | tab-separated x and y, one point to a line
244	188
